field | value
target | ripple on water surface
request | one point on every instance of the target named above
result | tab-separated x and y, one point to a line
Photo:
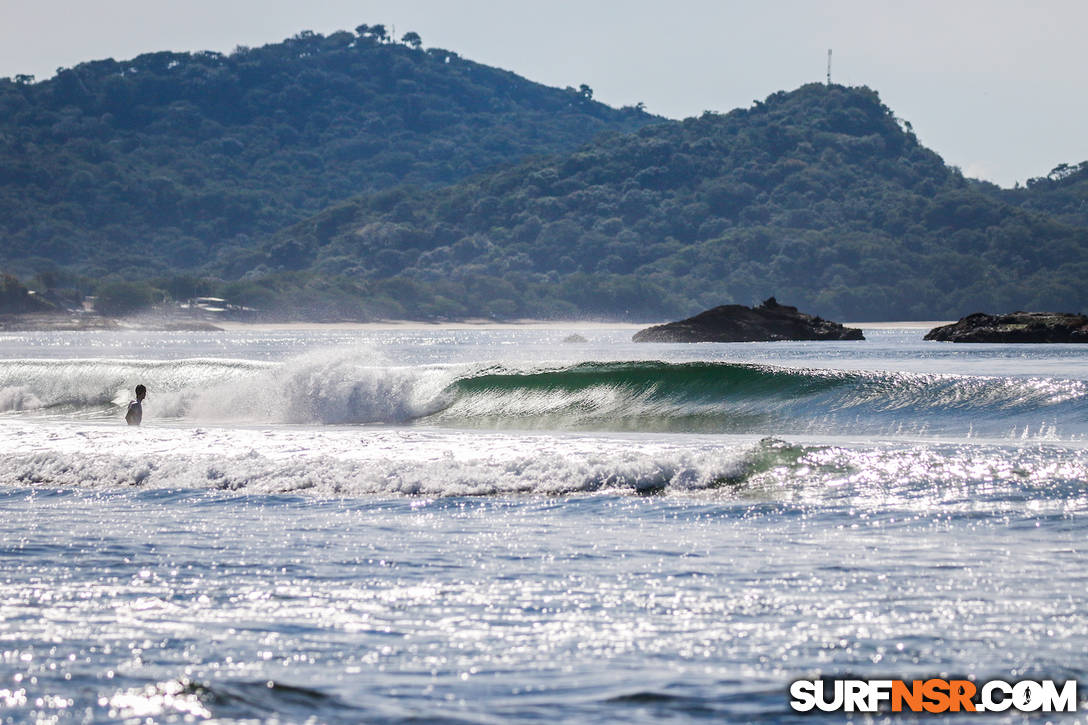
595	606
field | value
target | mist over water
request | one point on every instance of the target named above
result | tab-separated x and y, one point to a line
487	525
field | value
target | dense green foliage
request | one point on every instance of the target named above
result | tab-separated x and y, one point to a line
179	160
1062	194
819	196
120	298
350	177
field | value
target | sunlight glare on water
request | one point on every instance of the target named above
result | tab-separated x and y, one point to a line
501	528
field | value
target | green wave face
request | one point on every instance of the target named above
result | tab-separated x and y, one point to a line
730	397
696	380
655	396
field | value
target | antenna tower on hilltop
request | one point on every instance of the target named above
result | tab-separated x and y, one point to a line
829	66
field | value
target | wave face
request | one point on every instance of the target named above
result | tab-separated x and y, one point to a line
739	398
338	388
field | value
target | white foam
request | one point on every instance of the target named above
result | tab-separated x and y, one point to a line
98	385
18	397
330	387
354	461
339	461
326	386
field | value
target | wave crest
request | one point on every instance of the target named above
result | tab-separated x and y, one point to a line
337	387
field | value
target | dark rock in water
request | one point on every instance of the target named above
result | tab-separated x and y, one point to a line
769	321
574	338
1015	327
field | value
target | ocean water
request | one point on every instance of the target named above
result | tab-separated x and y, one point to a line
491	525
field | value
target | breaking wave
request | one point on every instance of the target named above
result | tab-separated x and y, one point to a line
419	462
334	388
416	466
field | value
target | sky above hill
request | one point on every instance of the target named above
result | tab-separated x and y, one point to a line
994	86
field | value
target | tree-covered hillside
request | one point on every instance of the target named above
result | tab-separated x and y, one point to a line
1063	194
353	177
184	160
819	196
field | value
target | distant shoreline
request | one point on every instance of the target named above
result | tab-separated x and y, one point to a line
82	322
899	325
470	324
89	323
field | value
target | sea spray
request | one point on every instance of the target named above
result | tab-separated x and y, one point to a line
353	386
16	398
100	386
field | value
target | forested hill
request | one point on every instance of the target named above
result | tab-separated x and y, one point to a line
1063	193
174	160
819	196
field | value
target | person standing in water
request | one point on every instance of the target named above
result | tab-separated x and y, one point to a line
135	414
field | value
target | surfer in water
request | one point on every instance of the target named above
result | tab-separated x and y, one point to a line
135	414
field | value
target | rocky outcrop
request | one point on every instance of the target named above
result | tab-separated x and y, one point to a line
769	321
1015	327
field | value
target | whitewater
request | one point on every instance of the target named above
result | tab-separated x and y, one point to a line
493	525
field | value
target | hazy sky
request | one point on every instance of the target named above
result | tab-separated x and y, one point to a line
996	87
